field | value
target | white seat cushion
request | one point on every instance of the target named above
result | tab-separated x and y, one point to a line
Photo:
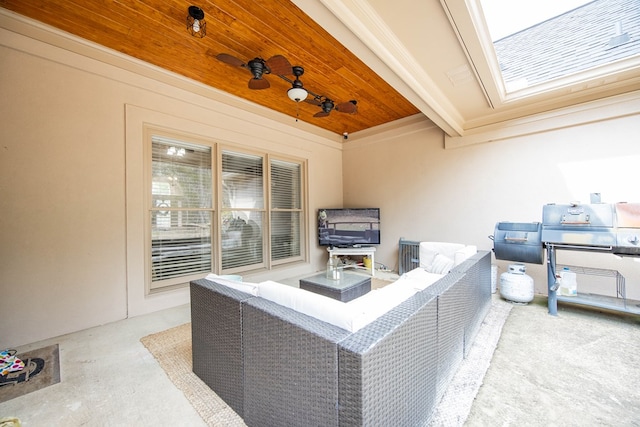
420	278
315	305
353	315
453	253
464	253
250	288
441	265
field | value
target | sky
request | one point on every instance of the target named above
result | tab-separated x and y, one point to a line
505	17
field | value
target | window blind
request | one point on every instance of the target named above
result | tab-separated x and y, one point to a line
181	209
242	210
286	204
257	226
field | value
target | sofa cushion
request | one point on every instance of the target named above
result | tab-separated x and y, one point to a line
353	315
250	288
419	278
429	250
315	305
464	253
441	265
456	252
375	303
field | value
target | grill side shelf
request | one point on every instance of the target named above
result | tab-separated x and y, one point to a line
618	303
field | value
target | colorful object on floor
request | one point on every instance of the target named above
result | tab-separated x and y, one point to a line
10	422
41	369
9	362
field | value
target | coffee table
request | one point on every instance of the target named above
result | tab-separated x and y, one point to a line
350	286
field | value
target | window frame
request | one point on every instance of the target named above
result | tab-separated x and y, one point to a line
223	210
303	210
216	209
179	281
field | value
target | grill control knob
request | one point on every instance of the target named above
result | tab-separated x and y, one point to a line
633	239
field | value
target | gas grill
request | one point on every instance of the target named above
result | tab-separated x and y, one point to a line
602	227
596	227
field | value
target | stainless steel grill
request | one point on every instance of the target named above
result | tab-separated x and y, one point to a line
613	228
599	227
518	241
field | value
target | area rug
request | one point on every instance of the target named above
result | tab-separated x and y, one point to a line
172	349
42	369
455	406
379	283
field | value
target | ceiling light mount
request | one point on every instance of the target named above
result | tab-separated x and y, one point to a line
297	93
196	25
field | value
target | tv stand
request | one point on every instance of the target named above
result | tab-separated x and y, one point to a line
364	250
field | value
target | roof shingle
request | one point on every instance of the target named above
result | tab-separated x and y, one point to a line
594	34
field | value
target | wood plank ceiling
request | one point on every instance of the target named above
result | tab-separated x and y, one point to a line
155	31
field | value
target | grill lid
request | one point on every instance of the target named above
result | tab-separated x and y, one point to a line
578	217
610	227
588	226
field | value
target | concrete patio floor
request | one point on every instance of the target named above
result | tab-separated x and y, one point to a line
577	369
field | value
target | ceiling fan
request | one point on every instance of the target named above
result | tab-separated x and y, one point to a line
277	64
327	105
281	67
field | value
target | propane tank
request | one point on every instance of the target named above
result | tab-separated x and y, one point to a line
515	285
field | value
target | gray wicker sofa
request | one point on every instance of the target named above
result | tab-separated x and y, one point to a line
276	366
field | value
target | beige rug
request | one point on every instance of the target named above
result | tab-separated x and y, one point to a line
172	349
379	283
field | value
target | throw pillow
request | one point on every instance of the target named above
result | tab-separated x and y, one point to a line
441	265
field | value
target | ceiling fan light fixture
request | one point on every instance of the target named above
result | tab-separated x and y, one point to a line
297	93
196	25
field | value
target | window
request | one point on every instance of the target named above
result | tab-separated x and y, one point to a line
286	210
181	209
243	210
259	212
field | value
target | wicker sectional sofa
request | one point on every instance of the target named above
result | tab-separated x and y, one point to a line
276	366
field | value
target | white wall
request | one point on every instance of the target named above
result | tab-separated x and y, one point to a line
70	247
428	193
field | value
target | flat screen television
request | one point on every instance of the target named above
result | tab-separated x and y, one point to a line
349	227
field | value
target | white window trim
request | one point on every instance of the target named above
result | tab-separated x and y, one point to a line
217	148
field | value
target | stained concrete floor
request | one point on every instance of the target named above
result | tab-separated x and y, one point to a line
581	368
108	378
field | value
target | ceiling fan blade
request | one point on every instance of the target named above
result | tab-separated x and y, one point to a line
313	101
321	114
279	65
348	107
257	84
229	59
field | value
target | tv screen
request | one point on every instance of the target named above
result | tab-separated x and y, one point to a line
349	227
